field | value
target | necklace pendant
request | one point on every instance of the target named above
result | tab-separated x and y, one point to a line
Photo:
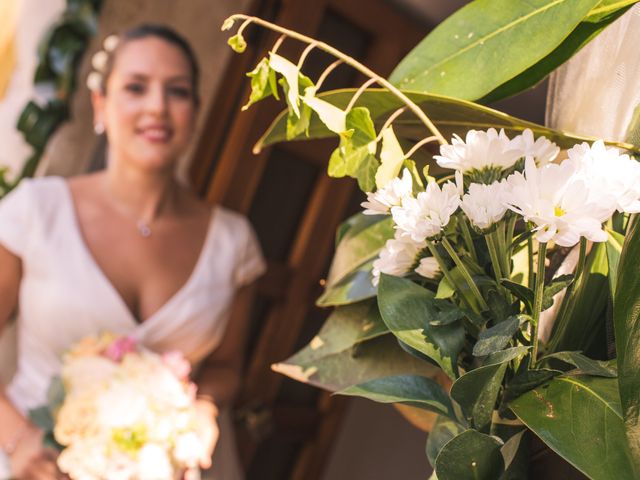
143	229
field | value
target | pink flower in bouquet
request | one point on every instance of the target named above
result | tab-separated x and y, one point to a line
175	361
119	348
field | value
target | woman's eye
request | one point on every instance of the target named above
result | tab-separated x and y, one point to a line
134	87
180	92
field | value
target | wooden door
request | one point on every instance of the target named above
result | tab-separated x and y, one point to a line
285	429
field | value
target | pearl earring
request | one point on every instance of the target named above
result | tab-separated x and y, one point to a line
98	128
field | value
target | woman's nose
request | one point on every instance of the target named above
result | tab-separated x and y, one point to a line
156	101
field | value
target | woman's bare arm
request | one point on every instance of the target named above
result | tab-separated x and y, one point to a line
220	375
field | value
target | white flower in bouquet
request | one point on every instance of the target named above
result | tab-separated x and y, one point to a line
391	195
154	463
558	201
479	150
425	216
135	421
428	268
483	204
396	258
541	149
613	176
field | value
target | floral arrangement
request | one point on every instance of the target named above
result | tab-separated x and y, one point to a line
476	286
127	413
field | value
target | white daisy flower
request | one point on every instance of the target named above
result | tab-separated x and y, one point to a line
558	201
611	175
391	195
483	204
541	149
396	258
479	150
429	268
425	216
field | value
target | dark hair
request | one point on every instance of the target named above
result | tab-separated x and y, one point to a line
165	33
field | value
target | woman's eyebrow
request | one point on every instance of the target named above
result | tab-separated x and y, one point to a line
175	78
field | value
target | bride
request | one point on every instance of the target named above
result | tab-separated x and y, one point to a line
127	250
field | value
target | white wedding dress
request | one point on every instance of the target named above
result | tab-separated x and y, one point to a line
64	295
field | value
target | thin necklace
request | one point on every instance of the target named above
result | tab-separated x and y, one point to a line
144	229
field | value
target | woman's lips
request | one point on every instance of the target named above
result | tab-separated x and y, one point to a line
156	133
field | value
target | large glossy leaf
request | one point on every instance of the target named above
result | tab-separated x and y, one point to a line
365	238
614	250
444	429
580	418
470	456
583	34
352	348
584	364
407	310
355	287
414	390
606	8
626	317
486	43
477	390
450	115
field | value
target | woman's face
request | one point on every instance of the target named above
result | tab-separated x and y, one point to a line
149	107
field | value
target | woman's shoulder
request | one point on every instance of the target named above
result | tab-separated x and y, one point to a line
40	192
233	222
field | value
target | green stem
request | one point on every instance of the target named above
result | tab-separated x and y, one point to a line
530	254
465	273
537	303
353	63
501	234
466	235
511	225
493	253
447	274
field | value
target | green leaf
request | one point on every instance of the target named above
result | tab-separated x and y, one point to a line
526	380
411	390
506	355
580	418
626	318
584	364
263	83
614	249
582	35
497	337
355	287
450	115
237	43
556	285
407	309
444	429
606	8
523	293
494	39
391	156
477	391
470	456
290	81
350	349
333	117
359	245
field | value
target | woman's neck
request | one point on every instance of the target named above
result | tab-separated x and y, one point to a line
142	194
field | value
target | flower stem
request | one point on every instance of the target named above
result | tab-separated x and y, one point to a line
468	240
465	273
447	274
353	63
530	255
501	234
511	225
493	253
537	303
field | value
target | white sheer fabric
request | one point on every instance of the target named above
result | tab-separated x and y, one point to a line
64	296
596	94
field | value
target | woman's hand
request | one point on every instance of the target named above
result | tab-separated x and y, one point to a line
208	431
32	461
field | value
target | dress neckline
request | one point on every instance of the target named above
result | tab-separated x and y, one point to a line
106	281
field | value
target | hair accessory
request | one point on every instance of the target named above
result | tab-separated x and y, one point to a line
99	63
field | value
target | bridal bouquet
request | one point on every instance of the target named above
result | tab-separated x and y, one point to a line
127	412
494	257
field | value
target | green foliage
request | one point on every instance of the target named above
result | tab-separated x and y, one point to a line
470	456
474	38
496	338
581	419
407	309
413	390
626	316
352	347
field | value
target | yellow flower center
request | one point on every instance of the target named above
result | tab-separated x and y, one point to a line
558	211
